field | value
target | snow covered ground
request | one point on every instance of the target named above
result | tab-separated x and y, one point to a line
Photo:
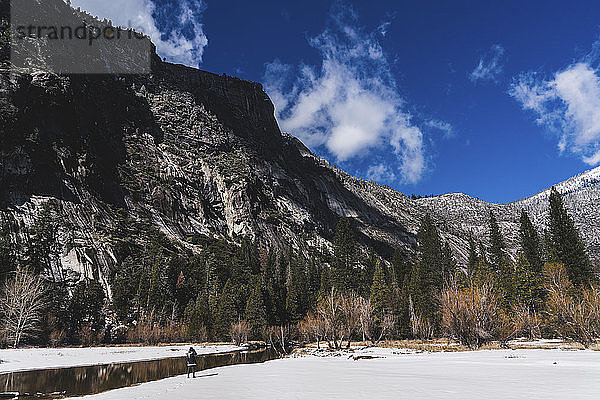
394	374
39	358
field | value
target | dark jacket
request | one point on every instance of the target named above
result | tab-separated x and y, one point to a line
191	357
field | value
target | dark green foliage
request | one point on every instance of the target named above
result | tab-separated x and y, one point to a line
86	308
401	267
401	309
448	263
431	254
527	288
483	258
8	259
141	287
566	243
56	323
226	311
381	295
473	260
497	247
256	312
296	302
368	270
505	280
530	243
548	250
427	276
197	317
313	281
344	260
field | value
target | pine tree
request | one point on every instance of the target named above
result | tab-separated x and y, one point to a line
313	281
275	293
43	250
8	262
226	313
567	244
427	274
530	243
431	254
197	316
473	260
344	256
295	302
325	284
482	272
380	295
527	285
483	256
400	267
367	272
548	251
448	263
497	246
402	310
505	283
255	313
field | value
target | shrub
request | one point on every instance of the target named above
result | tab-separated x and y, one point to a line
472	315
87	336
572	313
526	322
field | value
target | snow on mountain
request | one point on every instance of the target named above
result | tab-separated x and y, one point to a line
460	214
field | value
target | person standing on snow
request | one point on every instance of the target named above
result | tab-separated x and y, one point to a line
191	362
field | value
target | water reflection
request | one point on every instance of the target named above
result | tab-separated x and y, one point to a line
78	381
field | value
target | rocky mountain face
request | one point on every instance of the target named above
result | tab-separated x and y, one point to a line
186	151
460	214
190	152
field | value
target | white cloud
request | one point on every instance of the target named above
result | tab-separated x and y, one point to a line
380	173
489	66
182	39
350	103
568	104
443	126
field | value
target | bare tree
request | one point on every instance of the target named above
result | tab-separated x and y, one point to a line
330	311
278	337
419	325
472	315
313	329
350	321
366	319
239	332
21	306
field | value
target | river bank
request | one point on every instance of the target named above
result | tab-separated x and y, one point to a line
390	373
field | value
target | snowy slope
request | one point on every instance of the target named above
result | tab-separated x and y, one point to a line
460	214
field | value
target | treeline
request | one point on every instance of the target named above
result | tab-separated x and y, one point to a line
224	292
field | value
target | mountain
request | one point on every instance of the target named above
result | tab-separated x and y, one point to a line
460	214
187	153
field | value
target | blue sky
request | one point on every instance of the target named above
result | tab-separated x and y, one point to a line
494	99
